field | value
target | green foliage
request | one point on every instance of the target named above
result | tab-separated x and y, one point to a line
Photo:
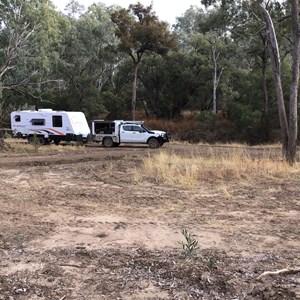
35	142
7	135
206	117
115	105
212	263
87	62
207	121
190	246
84	61
173	83
245	119
140	31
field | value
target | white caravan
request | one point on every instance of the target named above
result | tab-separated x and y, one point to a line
48	125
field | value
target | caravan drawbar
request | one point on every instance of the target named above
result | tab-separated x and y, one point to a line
48	125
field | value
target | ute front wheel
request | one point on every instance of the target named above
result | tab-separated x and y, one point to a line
153	143
108	142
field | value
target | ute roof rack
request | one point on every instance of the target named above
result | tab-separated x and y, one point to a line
133	122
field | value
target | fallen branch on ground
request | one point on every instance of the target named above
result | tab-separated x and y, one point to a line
71	265
279	272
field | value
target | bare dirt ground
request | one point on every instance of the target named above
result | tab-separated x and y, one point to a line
76	225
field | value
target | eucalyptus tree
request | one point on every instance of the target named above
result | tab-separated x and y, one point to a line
15	34
173	84
74	8
206	33
88	59
289	125
141	33
30	35
249	33
289	11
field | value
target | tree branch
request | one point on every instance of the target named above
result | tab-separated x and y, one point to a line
279	272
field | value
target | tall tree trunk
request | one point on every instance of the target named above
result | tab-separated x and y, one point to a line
266	119
264	59
293	118
265	88
215	81
134	86
216	77
275	60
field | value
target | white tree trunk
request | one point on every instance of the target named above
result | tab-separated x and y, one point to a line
276	66
293	118
134	87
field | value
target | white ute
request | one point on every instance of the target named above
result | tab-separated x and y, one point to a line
48	125
113	133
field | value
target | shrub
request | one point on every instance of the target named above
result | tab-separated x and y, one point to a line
190	246
247	121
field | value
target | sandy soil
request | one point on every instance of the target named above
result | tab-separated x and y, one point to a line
76	225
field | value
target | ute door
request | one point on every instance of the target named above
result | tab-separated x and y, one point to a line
133	134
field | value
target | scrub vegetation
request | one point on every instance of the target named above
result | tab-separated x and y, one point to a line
232	164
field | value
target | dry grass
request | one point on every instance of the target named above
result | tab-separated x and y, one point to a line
17	146
241	145
234	165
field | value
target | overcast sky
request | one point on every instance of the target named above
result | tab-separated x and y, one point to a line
166	10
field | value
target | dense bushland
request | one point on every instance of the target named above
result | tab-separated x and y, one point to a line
216	66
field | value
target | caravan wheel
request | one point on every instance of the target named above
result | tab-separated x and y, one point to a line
42	141
37	140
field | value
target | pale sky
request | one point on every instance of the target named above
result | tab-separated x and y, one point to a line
166	10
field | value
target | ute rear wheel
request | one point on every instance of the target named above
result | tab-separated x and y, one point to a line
153	143
108	142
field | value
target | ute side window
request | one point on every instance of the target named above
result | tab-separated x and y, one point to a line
57	121
17	118
38	122
127	127
136	128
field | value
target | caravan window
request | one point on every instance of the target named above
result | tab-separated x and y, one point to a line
57	121
17	118
38	122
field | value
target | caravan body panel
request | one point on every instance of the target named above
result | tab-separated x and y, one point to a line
49	124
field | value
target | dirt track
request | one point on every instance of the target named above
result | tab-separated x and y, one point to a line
76	225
